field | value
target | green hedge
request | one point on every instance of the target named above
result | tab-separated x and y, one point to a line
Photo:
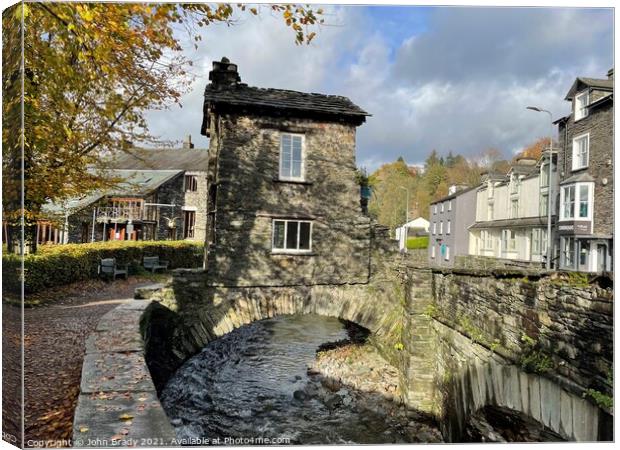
57	265
417	242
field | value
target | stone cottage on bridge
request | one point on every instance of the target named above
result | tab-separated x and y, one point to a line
283	206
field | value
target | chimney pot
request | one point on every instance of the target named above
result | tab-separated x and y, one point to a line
224	73
187	143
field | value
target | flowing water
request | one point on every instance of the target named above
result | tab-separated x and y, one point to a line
252	383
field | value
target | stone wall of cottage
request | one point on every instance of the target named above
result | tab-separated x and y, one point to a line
245	166
171	193
198	199
599	123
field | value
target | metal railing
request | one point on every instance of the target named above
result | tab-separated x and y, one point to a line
120	213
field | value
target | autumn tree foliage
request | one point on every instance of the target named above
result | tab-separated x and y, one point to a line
388	203
88	74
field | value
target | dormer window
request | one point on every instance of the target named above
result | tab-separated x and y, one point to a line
291	157
581	105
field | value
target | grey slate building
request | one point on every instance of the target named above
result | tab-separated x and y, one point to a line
283	205
585	161
162	195
450	218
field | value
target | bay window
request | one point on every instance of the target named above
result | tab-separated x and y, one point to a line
509	240
294	236
291	157
577	201
581	149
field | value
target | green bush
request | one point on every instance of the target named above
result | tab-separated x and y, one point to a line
417	242
57	265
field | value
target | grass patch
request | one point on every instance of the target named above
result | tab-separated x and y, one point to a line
414	243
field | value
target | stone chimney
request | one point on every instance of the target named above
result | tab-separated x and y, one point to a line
187	143
610	74
224	73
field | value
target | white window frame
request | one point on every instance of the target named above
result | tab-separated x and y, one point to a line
490	210
441	227
302	170
432	251
448	227
435	209
543	206
575	209
434	227
514	214
290	250
544	175
581	112
449	205
447	254
442	203
576	160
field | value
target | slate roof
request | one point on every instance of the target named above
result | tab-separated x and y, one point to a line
521	222
597	83
137	183
579	177
189	159
243	95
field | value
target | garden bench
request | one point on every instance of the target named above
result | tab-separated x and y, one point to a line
153	263
108	267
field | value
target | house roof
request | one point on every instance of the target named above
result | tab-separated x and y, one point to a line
456	194
242	95
597	83
522	222
579	177
137	183
188	159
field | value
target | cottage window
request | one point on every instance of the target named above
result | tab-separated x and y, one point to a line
189	224
536	241
581	150
441	227
294	236
448	227
490	212
434	209
581	105
450	205
487	239
291	157
509	240
432	251
191	183
442	207
447	254
434	227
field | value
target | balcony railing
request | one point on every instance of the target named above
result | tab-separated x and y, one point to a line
120	213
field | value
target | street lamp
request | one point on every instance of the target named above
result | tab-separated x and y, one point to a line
550	188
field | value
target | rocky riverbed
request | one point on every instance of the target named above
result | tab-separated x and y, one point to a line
355	376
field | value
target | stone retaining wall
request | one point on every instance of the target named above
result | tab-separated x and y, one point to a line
559	324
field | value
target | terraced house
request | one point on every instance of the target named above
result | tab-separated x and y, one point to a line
283	204
586	213
512	212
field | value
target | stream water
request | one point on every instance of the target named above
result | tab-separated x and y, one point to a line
254	383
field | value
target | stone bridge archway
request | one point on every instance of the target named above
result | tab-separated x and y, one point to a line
492	383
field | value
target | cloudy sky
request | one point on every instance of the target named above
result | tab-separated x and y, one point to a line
445	78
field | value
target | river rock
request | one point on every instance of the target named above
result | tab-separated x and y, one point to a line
299	395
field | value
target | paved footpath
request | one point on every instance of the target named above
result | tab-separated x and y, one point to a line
55	336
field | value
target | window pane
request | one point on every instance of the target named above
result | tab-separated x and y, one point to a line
278	234
583	200
304	236
291	235
297	148
296	172
285	157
